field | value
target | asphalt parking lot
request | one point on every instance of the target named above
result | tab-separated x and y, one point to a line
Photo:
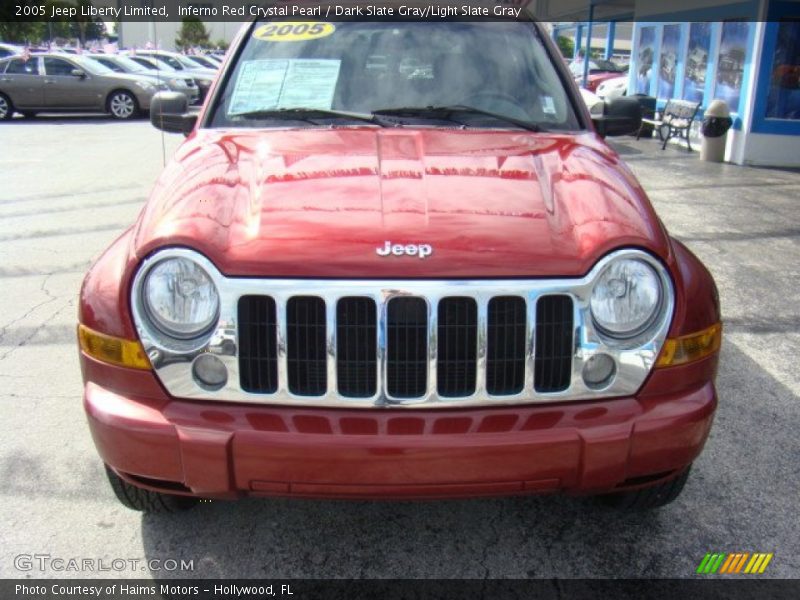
68	186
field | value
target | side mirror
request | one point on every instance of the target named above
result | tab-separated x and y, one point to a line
80	73
169	111
621	116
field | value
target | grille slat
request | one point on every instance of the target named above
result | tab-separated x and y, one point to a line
356	330
407	347
553	360
505	359
258	351
305	348
457	347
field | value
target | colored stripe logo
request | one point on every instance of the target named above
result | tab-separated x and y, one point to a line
741	563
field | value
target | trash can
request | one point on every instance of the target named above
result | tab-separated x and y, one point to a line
716	122
648	104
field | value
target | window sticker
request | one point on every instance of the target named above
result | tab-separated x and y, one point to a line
259	86
548	106
293	31
310	83
270	84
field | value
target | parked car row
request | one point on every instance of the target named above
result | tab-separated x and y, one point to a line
599	72
136	65
173	62
120	84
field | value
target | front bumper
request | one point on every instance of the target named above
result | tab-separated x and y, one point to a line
226	450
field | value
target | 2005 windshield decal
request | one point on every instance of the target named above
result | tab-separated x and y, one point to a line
293	31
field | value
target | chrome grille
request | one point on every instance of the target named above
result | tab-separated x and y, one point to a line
553	344
406	347
505	355
356	347
417	348
258	349
306	362
326	343
456	361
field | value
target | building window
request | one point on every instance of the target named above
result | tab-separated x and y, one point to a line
694	81
668	63
644	59
783	99
730	63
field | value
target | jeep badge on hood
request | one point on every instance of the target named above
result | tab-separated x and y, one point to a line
421	250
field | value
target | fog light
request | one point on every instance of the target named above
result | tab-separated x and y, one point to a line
209	372
598	371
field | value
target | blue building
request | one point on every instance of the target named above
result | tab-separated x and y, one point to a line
746	53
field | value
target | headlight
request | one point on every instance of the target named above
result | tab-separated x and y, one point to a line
145	85
180	298
626	298
203	81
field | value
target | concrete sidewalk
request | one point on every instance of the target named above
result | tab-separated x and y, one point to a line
744	223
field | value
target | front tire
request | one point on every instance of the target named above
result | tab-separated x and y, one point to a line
6	108
143	500
122	105
648	498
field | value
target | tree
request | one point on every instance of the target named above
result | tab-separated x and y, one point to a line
81	27
20	32
193	33
87	28
566	45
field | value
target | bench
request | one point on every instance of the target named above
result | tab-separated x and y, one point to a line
676	118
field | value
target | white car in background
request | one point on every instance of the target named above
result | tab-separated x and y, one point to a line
613	88
7	50
592	101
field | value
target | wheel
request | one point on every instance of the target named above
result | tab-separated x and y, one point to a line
648	498
6	108
122	105
137	498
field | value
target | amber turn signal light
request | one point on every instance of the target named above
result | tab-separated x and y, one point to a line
692	347
114	350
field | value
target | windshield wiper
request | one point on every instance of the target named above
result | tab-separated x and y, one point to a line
448	112
310	115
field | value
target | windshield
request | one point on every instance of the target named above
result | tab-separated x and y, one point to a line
170	61
363	67
184	61
91	65
202	62
152	64
595	66
129	65
605	65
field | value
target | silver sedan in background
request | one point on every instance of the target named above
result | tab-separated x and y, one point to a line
177	82
71	83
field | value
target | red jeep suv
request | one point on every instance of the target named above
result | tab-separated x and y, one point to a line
396	260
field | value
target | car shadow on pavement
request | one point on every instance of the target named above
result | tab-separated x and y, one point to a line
740	497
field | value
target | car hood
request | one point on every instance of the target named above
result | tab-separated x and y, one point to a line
128	77
200	73
319	202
